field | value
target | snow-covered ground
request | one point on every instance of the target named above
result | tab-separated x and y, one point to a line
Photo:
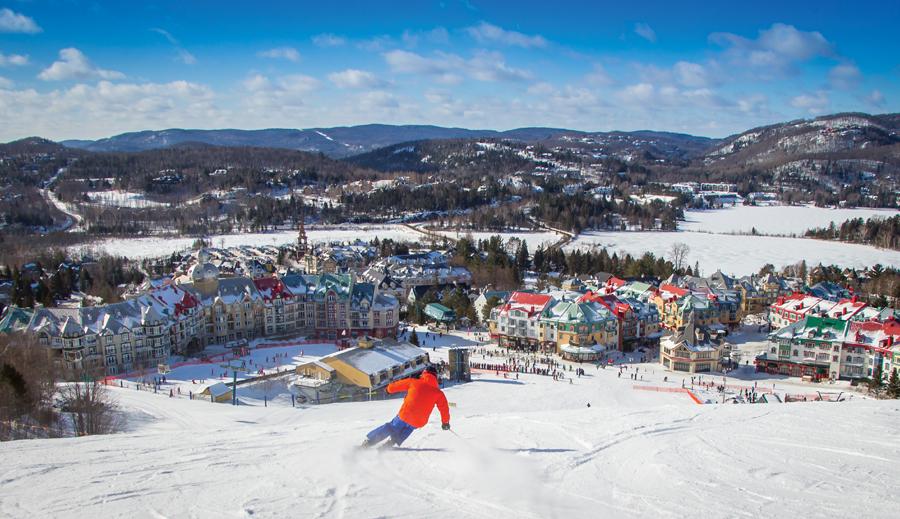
647	199
265	357
737	254
774	219
122	199
519	448
161	246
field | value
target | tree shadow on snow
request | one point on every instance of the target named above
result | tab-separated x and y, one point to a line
503	381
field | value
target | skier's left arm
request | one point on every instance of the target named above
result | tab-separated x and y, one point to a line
443	408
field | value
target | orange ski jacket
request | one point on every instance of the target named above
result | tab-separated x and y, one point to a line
422	394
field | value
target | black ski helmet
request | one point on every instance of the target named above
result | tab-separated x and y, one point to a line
431	369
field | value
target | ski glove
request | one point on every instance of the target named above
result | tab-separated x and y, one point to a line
445	426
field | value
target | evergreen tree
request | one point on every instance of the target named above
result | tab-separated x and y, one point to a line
522	256
876	382
539	259
893	386
488	306
414	338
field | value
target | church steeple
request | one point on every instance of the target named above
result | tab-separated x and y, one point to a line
302	243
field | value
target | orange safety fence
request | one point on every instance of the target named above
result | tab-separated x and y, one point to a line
661	389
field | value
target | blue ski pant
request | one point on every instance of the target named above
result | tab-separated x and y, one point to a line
396	429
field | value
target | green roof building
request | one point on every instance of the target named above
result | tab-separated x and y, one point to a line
440	313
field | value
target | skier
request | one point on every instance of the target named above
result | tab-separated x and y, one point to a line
422	395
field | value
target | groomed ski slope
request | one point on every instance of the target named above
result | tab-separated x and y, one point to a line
527	448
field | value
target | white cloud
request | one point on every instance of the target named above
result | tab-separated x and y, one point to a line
446	68
690	74
645	31
165	34
649	96
11	21
353	78
777	49
754	104
266	95
5	83
490	66
73	64
183	55
844	76
288	53
12	59
875	99
489	33
377	43
438	35
814	104
638	93
105	108
328	40
186	57
599	76
378	100
542	88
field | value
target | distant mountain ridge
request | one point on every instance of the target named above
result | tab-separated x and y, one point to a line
847	137
339	141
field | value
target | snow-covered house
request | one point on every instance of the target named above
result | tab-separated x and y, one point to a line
374	365
517	323
808	347
790	309
482	300
167	318
579	330
638	321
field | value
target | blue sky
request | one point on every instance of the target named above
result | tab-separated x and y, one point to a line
72	69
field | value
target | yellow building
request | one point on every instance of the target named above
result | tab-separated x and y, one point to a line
219	392
369	365
579	331
690	350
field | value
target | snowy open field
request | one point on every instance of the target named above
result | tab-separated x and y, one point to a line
122	199
520	448
263	358
736	254
160	246
775	219
533	239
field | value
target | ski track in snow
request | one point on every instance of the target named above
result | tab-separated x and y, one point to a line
527	448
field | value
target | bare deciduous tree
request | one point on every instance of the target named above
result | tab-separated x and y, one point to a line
92	408
678	254
27	387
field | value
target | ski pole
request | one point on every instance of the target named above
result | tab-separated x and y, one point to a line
458	436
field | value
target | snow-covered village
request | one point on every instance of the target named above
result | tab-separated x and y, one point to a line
449	260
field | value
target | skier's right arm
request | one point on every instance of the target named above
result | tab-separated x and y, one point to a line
399	386
444	409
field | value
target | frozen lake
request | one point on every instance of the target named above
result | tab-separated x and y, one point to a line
736	254
777	219
533	239
160	246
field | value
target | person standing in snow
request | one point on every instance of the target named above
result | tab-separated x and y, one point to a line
422	395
